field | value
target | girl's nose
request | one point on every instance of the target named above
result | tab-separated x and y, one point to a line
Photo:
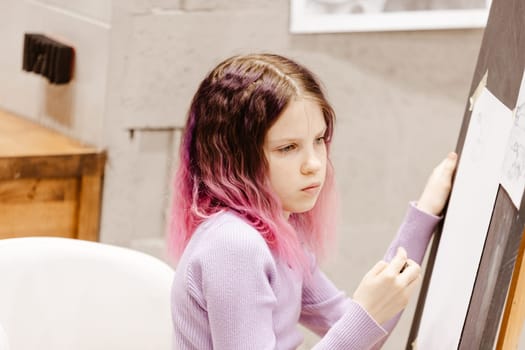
312	163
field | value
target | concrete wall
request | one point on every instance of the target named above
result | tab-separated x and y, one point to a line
399	98
78	108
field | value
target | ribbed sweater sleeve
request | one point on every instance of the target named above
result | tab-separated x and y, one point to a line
344	323
414	235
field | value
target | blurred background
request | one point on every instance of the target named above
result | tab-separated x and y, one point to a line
399	98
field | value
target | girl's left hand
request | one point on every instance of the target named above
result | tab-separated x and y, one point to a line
438	186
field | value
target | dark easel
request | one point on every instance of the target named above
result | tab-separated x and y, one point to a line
490	315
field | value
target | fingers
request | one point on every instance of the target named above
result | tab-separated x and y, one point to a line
439	184
450	162
384	290
411	273
378	268
405	270
398	262
448	165
409	289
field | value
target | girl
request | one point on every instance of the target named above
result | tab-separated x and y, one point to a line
253	207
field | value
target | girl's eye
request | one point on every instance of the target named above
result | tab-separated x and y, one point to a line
320	140
286	149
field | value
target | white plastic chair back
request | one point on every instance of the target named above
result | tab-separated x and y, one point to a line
67	294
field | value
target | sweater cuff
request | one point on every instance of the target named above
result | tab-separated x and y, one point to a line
426	222
413	204
355	330
414	234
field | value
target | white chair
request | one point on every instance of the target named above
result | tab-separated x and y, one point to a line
67	294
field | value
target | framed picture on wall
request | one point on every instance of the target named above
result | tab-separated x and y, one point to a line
332	16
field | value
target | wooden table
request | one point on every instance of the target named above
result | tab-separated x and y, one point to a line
50	184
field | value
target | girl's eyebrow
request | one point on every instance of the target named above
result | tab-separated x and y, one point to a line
283	140
295	139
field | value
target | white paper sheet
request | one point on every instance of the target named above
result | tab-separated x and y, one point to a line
466	225
513	172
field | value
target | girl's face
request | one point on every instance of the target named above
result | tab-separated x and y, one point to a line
296	152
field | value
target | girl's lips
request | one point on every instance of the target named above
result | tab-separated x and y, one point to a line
312	188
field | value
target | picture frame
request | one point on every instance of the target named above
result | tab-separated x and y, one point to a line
333	16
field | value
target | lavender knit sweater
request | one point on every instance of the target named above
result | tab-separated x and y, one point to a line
230	292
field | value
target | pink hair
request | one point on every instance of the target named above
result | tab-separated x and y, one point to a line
222	165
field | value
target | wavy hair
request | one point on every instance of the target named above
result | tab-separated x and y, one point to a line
222	165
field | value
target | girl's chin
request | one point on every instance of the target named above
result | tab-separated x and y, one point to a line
298	209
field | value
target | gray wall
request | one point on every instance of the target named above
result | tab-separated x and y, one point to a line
399	98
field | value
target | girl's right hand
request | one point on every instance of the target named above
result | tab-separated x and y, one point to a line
386	289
